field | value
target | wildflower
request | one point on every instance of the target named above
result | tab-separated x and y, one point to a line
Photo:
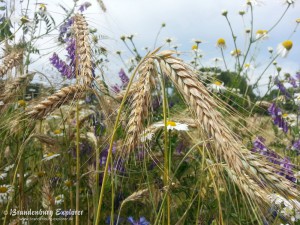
281	87
146	136
276	115
65	28
289	2
130	36
123	37
42	7
6	192
216	86
254	2
270	49
242	12
24	20
224	13
195	47
298	20
57	133
3	176
261	34
171	125
21	103
141	221
59	199
71	49
290	118
297	99
124	78
247	67
68	183
9	167
284	48
221	43
61	66
169	40
236	53
84	6
49	156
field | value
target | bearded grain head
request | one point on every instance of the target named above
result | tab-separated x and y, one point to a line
140	104
63	96
226	145
83	50
11	60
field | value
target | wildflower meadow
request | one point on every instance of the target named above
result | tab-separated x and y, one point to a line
96	128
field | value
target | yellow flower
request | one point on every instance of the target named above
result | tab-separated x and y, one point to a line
194	47
236	53
171	125
298	20
22	103
221	43
263	34
24	20
42	7
57	131
284	48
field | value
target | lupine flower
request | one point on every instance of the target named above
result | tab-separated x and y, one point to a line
292	81
71	49
276	114
281	87
287	169
141	221
84	6
116	88
124	78
61	66
296	146
284	48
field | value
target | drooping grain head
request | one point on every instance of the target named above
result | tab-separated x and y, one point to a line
11	60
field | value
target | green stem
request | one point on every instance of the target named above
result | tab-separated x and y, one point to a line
97	221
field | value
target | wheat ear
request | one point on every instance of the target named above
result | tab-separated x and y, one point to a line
63	96
226	145
10	61
140	104
84	50
13	87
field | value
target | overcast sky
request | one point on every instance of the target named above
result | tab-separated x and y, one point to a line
192	19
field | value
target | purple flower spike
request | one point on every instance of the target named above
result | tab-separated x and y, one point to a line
64	28
71	49
84	6
124	78
141	221
61	66
276	115
293	82
281	87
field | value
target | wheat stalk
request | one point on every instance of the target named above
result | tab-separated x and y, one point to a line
10	61
226	145
13	87
83	49
63	96
140	104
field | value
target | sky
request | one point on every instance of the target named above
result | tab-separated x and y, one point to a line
187	20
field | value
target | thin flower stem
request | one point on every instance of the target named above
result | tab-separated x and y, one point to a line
129	48
116	125
234	40
223	57
157	35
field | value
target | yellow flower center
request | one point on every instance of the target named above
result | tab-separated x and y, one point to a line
49	154
247	65
21	103
41	173
221	42
262	32
171	123
57	131
285	115
298	20
218	83
288	44
3	189
194	47
58	198
68	183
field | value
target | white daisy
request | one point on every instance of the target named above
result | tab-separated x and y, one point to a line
59	199
49	156
236	53
171	125
254	2
6	192
284	47
290	118
57	133
248	67
9	167
216	86
262	34
146	137
3	176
